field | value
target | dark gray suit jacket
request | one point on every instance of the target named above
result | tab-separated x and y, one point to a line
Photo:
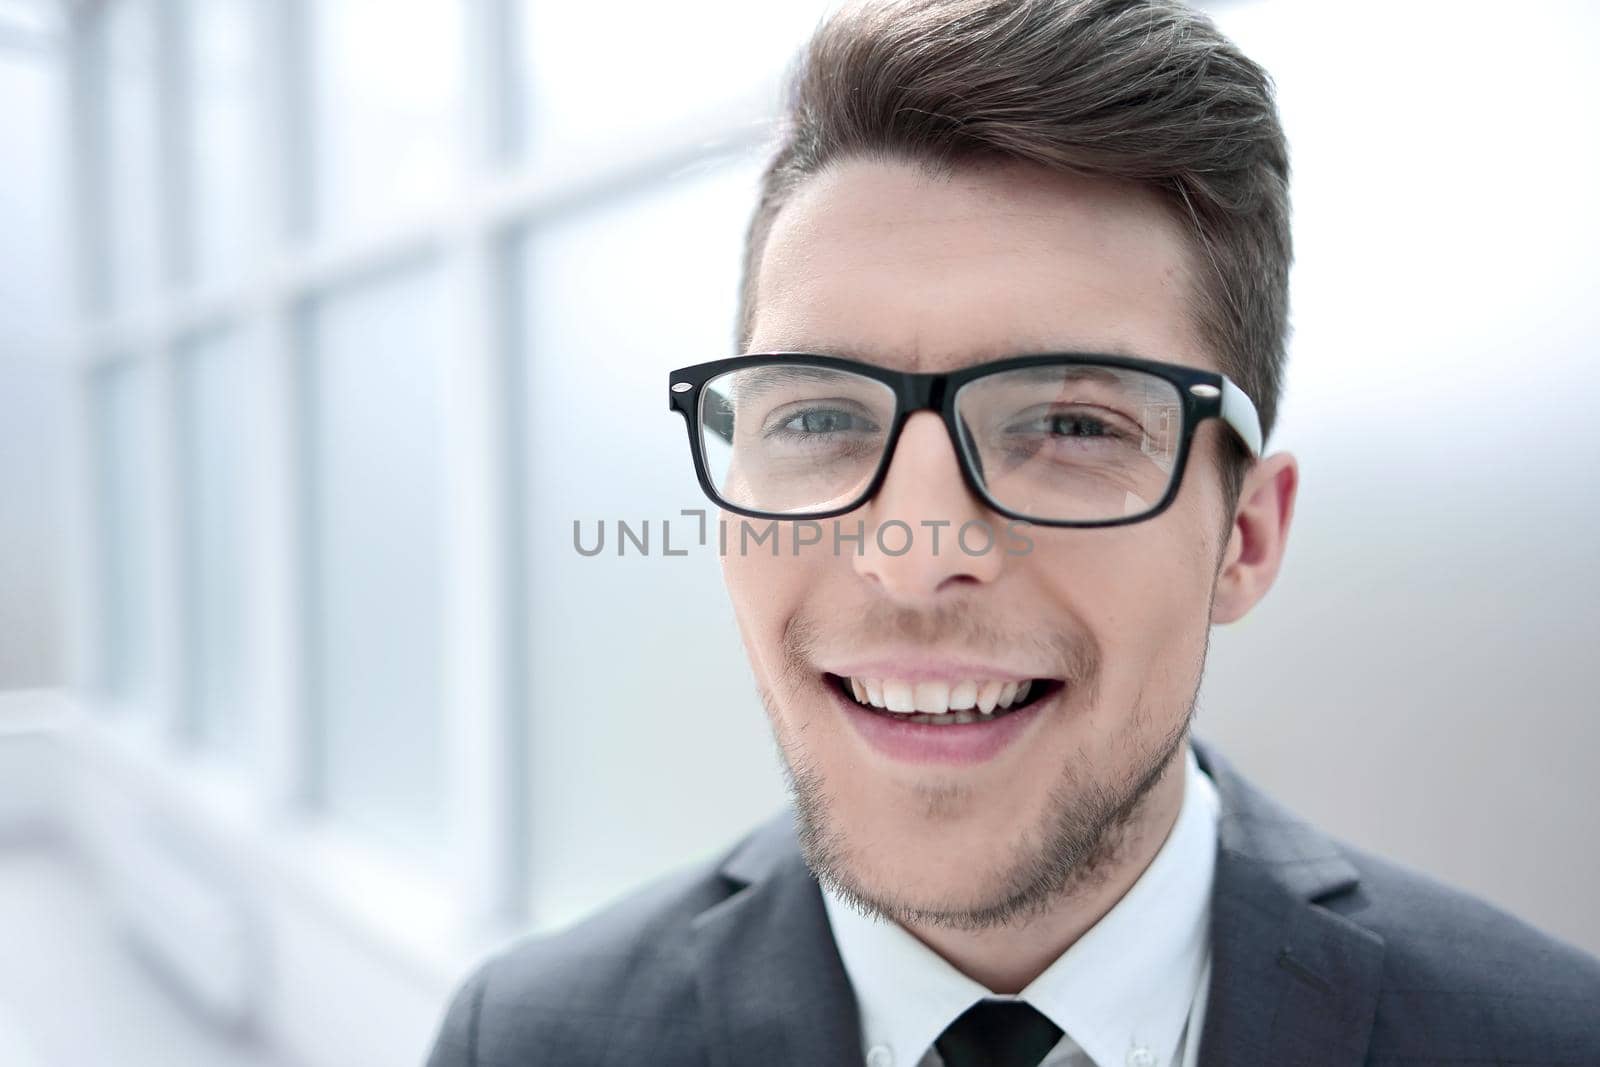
1322	955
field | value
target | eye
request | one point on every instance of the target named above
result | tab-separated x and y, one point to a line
821	422
1077	425
1067	424
814	422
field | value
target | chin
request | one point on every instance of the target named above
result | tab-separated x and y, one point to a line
956	885
926	847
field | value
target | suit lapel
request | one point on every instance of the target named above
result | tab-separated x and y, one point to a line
772	986
1291	982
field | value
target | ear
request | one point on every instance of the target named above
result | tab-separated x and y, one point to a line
1259	535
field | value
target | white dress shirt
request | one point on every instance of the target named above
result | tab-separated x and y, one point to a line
1131	992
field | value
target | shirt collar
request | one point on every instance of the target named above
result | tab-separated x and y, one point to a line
1127	982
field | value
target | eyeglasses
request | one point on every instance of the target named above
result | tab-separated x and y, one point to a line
1065	439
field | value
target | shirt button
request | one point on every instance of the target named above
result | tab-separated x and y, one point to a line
880	1056
1139	1056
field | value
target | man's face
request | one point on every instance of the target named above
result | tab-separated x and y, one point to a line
883	263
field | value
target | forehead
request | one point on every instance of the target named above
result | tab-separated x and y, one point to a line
888	263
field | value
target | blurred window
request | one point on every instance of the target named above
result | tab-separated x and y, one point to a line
121	411
644	72
130	181
226	127
386	109
373	365
359	117
217	442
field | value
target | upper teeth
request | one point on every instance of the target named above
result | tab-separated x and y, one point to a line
936	698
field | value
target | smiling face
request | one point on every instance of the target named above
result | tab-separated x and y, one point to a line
1097	635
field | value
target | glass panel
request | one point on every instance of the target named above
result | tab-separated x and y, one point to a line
226	126
386	108
663	67
217	447
792	438
122	415
373	366
127	49
607	636
33	210
1078	443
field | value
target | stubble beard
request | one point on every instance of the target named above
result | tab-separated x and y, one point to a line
1075	844
1078	839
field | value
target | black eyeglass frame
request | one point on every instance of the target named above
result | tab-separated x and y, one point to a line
1205	395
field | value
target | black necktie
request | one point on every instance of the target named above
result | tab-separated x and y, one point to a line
998	1033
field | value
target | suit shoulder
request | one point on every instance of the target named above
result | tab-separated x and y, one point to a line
1456	965
564	996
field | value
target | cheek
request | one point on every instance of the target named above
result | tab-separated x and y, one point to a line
1142	595
767	592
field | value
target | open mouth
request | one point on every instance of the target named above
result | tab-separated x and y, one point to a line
935	703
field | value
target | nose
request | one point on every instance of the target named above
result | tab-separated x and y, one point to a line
927	535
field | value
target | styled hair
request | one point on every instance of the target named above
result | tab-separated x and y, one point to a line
1146	91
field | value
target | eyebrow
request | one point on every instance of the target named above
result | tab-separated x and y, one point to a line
754	382
1064	373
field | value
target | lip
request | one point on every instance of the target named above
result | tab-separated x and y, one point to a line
967	744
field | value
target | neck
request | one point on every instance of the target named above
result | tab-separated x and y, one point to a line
1005	959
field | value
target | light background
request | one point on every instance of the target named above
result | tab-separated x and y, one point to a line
320	323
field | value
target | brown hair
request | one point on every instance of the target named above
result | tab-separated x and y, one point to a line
1147	91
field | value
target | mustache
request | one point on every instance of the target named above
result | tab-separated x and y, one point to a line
1070	650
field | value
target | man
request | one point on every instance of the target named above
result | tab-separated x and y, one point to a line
1014	314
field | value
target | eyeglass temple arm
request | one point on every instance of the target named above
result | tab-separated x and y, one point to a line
1239	412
